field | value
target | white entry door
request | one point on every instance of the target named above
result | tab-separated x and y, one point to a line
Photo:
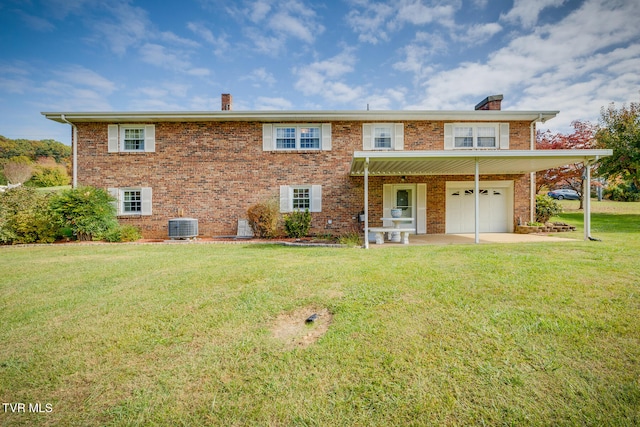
412	199
495	203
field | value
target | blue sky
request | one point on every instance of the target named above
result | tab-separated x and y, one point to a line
145	55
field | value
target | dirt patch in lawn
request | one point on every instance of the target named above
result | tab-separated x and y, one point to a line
295	331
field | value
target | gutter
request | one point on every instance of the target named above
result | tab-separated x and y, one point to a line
74	147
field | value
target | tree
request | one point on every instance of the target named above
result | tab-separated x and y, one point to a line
620	132
17	170
571	175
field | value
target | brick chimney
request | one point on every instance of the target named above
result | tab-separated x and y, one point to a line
227	102
492	102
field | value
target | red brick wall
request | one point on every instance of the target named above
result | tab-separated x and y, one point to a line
214	171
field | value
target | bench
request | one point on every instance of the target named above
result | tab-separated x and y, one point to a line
404	233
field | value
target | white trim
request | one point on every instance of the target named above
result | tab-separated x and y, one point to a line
421	209
269	136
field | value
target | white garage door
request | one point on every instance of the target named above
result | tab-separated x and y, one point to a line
496	207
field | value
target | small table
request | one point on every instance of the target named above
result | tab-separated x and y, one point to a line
395	236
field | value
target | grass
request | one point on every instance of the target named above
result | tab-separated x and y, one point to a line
514	334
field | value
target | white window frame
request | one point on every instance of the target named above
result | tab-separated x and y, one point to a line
270	136
146	200
116	138
287	193
500	130
370	136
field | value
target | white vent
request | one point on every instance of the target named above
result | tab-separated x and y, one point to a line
183	228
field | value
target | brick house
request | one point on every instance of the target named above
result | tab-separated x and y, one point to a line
439	167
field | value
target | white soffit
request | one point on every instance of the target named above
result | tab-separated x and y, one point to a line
463	162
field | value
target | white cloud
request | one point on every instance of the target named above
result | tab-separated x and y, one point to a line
370	21
526	12
80	76
561	66
258	77
265	103
219	43
325	78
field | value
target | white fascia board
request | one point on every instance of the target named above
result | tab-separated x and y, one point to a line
412	154
299	116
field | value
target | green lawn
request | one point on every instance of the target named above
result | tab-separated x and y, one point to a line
512	334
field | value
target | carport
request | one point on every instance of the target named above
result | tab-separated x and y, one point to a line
467	162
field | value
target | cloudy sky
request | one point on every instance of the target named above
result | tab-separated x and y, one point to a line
122	55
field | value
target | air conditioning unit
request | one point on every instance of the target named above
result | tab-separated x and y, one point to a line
183	228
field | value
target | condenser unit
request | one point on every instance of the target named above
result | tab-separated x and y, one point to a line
183	228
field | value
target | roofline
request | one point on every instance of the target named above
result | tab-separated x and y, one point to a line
457	154
306	115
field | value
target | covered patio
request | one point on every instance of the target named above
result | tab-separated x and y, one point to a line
475	163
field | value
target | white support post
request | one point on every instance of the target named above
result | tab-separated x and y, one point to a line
366	203
477	201
586	196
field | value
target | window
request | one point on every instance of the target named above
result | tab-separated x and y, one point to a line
132	201
300	197
383	136
131	138
476	136
299	137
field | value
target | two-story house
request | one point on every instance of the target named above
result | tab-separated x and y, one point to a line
448	171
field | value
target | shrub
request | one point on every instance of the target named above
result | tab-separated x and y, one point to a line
622	192
88	211
122	233
546	207
49	176
25	217
351	238
264	218
297	223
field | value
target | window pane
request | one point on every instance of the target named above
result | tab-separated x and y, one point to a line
132	201
310	138
486	137
382	137
134	139
463	136
285	137
301	198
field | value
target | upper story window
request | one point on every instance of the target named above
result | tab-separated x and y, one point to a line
296	137
383	136
131	138
476	136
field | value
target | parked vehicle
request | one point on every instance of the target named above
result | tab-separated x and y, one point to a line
564	193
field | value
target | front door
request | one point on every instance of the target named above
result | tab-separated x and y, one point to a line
401	196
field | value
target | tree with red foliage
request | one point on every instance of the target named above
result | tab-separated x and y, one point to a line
571	175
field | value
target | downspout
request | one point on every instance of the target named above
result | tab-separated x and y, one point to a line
532	175
74	148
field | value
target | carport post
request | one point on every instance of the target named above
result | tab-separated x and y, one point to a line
366	203
586	197
477	200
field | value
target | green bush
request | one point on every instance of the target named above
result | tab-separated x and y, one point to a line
546	207
297	223
25	217
55	176
622	192
122	233
88	211
264	218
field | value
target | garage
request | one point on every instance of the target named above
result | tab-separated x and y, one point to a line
495	204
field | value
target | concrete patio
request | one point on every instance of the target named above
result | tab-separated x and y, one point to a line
458	239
